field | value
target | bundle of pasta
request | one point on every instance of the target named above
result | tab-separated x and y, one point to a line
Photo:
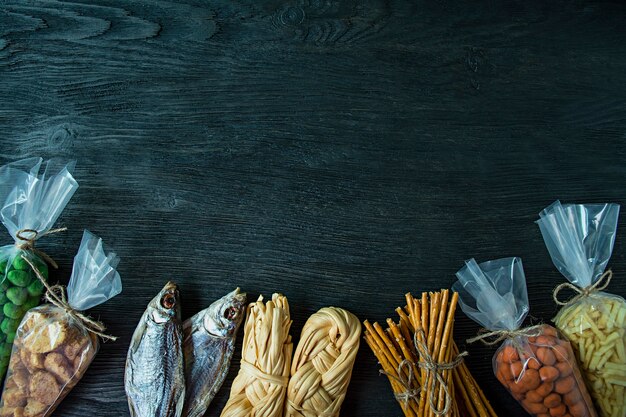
55	343
259	388
322	365
580	240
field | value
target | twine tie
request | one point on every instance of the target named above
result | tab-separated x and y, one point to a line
433	374
492	338
55	294
27	243
599	285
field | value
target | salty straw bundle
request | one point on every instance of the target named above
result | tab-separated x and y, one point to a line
422	362
259	388
322	366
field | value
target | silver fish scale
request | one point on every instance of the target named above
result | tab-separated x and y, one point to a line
155	372
206	372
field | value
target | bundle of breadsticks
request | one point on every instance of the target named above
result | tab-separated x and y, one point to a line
424	366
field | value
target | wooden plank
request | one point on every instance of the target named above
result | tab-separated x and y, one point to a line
340	152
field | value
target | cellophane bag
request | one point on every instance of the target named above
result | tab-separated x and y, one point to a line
30	205
535	364
580	240
53	348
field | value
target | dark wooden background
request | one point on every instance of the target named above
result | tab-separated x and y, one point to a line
340	152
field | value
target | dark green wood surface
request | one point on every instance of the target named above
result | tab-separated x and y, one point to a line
340	152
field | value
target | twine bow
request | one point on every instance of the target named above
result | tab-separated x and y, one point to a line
599	285
409	392
24	242
433	374
434	368
497	336
55	294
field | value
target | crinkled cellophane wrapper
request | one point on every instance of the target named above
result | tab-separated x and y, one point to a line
50	355
596	327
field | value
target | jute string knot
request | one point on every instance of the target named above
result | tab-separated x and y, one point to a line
434	369
433	374
599	285
492	338
56	296
406	382
26	238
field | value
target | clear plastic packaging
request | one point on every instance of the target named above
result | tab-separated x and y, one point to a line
580	240
535	364
30	204
53	347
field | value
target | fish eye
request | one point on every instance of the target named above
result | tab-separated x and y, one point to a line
230	313
168	301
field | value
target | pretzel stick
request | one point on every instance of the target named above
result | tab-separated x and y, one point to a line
430	320
446	347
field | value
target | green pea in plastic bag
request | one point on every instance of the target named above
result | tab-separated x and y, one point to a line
30	204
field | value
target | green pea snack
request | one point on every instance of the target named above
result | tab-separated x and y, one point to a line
30	204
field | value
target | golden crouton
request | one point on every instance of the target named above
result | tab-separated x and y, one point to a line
14	398
57	365
45	338
74	347
11	411
15	360
44	387
21	379
32	318
34	408
32	361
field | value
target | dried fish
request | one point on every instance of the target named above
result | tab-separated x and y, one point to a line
154	380
209	343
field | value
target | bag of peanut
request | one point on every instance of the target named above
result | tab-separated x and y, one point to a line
580	240
55	343
535	364
30	203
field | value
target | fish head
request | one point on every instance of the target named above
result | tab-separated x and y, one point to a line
223	317
166	305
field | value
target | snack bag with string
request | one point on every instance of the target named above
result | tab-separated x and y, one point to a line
55	343
535	363
30	204
580	240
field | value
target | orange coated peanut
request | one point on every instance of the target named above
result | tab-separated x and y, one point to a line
542	376
565	385
558	411
565	369
546	356
552	400
548	373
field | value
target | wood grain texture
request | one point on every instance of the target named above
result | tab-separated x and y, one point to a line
341	152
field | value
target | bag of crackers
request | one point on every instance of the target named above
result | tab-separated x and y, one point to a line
30	203
55	343
535	364
580	240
